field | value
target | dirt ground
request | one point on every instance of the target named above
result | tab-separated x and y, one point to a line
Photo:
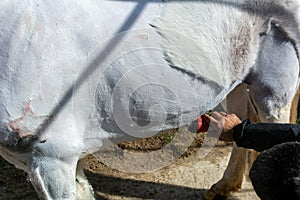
176	174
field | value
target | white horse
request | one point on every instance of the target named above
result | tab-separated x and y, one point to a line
80	75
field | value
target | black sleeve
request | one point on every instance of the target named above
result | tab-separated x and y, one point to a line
263	136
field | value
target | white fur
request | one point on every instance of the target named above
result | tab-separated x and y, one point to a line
195	45
45	47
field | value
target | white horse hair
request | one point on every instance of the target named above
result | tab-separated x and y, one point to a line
77	76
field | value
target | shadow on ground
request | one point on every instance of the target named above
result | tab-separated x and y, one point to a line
136	189
14	185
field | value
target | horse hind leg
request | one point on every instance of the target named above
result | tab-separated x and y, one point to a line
234	174
241	159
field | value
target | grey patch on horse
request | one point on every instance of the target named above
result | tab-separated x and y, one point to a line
242	46
273	80
15	143
281	14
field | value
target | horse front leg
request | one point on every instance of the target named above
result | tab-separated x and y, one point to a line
241	159
54	178
233	176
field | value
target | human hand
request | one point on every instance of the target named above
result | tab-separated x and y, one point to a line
221	125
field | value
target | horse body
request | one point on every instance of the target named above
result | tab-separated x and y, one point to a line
81	75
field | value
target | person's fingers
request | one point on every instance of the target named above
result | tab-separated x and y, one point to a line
212	120
233	118
224	114
217	119
217	116
206	118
